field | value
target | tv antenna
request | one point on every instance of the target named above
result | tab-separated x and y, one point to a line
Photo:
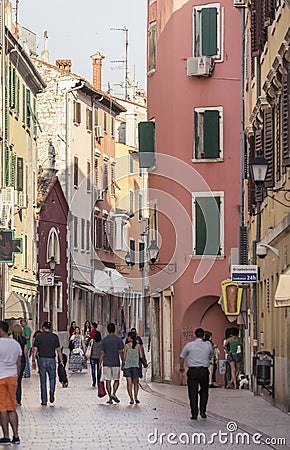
126	31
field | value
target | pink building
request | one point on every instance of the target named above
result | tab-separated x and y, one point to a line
194	103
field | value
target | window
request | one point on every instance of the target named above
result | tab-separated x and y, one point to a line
75	232
97	172
122	133
206	30
25	252
53	247
106	178
113	185
58	296
208	133
146	139
112	126
88	235
105	122
152	47
76	113
89	120
88	176
76	171
140	206
132	251
141	255
96	116
208	220
98	232
131	201
83	225
131	163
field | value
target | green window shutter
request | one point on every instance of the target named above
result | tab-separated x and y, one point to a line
152	46
141	255
131	161
17	93
132	251
211	133
13	168
131	199
196	136
146	136
14	88
6	103
96	118
209	31
23	104
10	80
140	207
105	121
207	231
19	175
28	108
7	166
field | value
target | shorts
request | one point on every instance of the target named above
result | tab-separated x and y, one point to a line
235	358
111	373
8	388
132	372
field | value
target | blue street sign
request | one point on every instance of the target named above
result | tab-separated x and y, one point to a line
244	273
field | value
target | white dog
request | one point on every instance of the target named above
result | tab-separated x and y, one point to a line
243	381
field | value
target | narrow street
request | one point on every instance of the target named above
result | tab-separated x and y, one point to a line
79	420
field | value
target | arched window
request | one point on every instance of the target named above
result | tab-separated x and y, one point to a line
53	249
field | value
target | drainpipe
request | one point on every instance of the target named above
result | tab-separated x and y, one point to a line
2	182
68	196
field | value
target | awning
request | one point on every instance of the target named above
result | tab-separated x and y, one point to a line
282	294
17	307
102	282
119	283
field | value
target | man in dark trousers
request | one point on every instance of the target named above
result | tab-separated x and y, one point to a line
112	351
198	354
44	347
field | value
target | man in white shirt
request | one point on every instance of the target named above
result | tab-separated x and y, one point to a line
10	362
198	354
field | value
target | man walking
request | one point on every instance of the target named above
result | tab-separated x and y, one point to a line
27	335
44	347
198	354
112	351
10	363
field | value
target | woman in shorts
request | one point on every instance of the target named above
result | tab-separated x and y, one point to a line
132	354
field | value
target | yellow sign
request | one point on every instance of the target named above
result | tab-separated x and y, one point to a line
232	297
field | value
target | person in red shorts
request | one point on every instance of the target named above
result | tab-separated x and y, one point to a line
10	363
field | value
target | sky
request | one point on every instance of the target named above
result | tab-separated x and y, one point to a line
78	29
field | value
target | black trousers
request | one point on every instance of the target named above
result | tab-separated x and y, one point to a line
197	377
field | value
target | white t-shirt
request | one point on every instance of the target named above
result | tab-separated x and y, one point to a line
10	350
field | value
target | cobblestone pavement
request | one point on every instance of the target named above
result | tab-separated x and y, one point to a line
79	420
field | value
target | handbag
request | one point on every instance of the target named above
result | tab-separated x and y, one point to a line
89	349
101	389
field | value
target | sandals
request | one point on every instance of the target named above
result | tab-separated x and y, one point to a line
131	402
110	402
113	397
136	400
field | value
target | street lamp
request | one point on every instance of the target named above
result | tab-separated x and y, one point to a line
153	252
52	264
259	166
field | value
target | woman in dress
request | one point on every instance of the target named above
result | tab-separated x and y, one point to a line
87	332
77	360
95	357
132	354
18	336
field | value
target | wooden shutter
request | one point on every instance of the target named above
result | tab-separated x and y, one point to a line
209	31
76	171
10	167
268	144
146	137
89	123
254	29
196	136
141	255
285	119
269	12
152	46
99	232
132	251
28	108
105	121
251	184
207	231
258	143
211	135
77	112
106	178
96	116
19	174
278	138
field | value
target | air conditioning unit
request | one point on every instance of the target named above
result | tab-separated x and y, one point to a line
99	194
199	66
99	131
240	3
22	200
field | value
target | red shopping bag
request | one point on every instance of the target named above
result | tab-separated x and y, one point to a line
101	389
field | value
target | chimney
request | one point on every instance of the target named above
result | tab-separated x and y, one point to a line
64	64
45	53
97	59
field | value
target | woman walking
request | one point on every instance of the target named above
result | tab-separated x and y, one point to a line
18	336
234	355
87	332
95	357
132	354
77	360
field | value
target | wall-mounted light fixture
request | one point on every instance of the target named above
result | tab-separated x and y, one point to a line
153	252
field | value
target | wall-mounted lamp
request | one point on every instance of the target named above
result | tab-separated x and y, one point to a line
153	252
52	264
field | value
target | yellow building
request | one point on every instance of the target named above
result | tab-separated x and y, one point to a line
267	112
21	85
